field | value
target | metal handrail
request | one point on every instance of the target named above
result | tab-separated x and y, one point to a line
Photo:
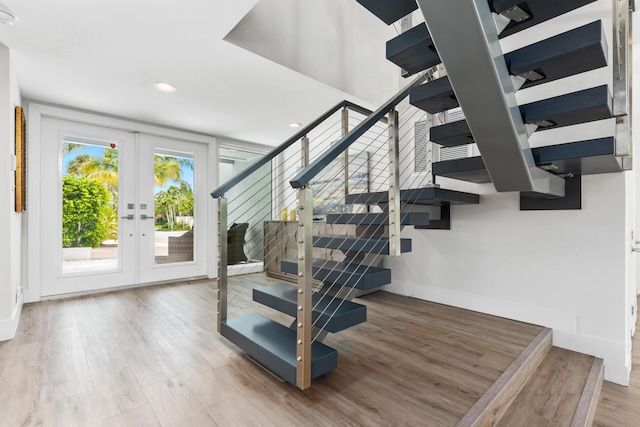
307	174
220	191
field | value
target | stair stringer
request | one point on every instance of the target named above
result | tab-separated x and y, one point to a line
465	35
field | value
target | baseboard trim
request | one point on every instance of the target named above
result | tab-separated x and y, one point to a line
9	327
554	319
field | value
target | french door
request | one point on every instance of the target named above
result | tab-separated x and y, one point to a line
122	208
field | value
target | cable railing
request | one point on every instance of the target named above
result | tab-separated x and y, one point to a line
253	221
377	148
280	204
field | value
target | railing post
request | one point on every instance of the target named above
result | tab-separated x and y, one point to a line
304	151
394	184
305	277
222	262
622	68
345	154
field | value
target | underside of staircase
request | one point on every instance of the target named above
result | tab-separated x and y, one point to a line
474	74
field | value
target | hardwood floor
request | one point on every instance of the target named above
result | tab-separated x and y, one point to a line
151	356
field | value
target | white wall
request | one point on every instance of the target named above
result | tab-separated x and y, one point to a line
327	40
10	221
568	270
561	269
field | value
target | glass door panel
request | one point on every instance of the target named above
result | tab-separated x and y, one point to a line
173	207
173	199
120	208
90	223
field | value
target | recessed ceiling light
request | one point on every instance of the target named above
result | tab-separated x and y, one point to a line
294	125
6	15
164	87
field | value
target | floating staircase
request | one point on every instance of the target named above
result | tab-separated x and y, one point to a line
274	346
381	214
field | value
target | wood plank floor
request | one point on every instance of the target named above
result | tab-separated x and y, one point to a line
151	356
552	395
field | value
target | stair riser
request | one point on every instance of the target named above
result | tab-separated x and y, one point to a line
495	402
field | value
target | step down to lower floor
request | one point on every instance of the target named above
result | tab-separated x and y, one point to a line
577	158
274	346
559	393
406	218
369	245
348	274
419	196
329	312
496	400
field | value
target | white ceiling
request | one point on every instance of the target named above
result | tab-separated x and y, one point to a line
104	56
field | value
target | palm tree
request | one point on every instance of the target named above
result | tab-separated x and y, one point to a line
166	169
103	169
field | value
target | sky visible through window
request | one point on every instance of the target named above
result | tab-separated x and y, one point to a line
97	151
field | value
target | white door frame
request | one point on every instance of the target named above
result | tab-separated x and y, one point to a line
35	114
149	271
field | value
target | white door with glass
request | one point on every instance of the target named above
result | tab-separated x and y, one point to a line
119	208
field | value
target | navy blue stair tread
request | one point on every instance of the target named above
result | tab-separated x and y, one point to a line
434	97
574	108
470	169
274	346
413	50
425	196
573	52
564	110
452	134
370	245
389	11
539	10
406	218
578	158
576	51
329	313
345	273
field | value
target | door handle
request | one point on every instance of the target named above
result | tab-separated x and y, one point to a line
144	216
130	216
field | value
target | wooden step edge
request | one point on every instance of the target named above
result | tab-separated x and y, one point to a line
494	402
590	397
